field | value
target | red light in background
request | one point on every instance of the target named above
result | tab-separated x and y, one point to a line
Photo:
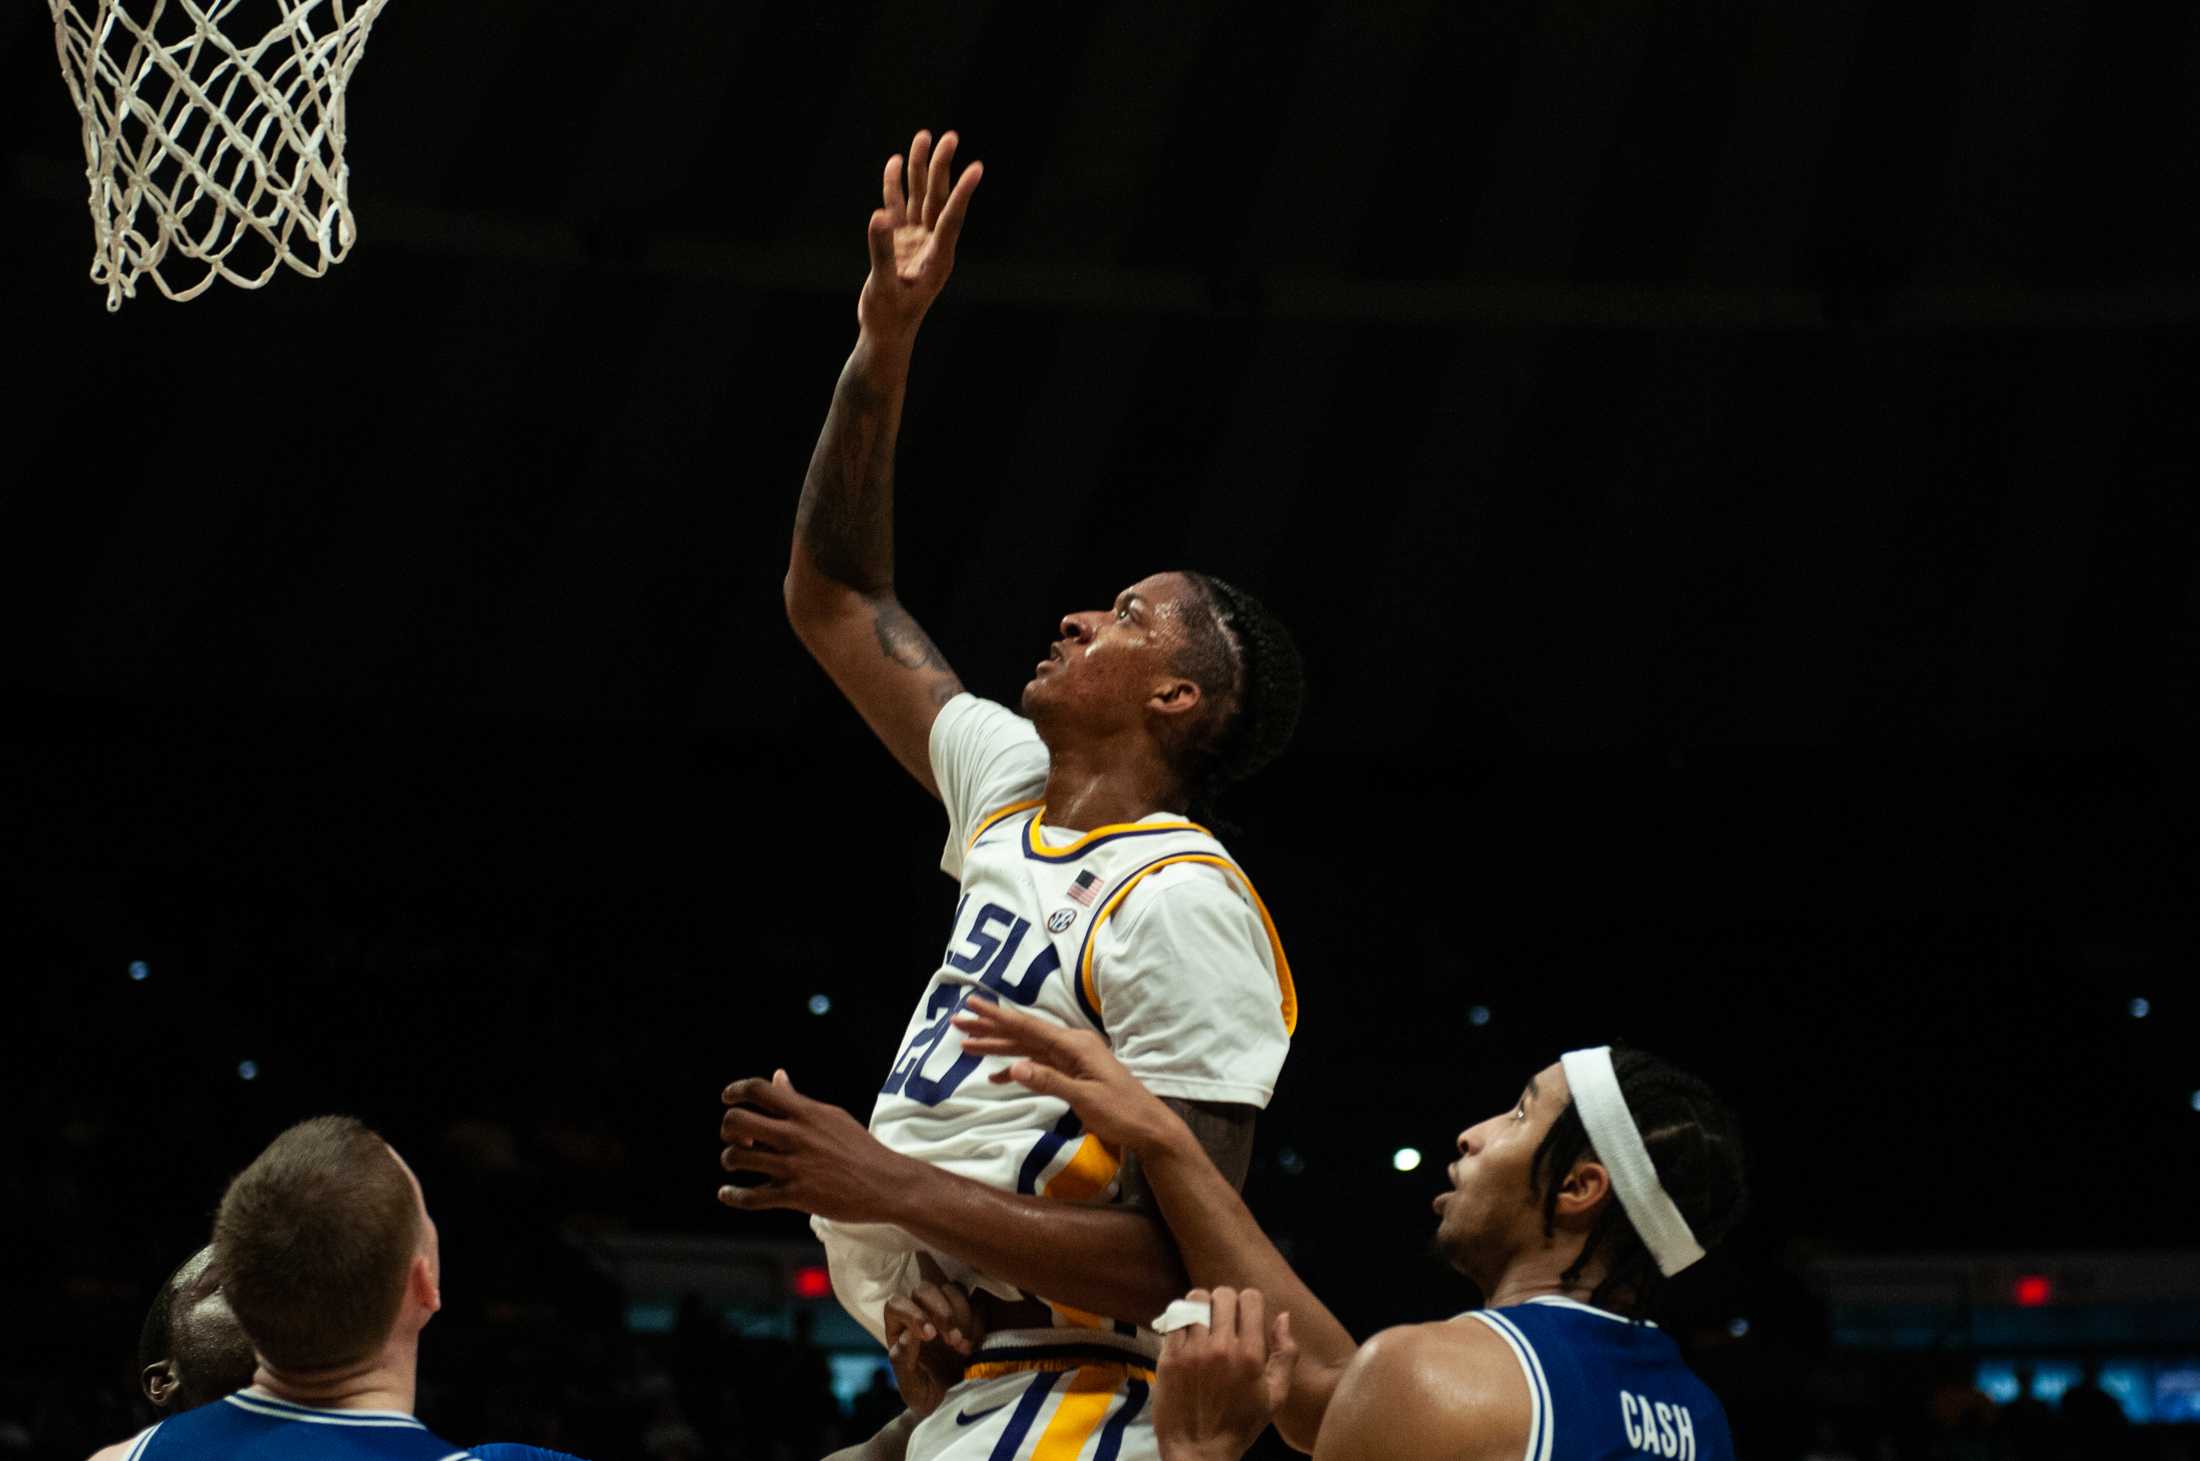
812	1283
2034	1290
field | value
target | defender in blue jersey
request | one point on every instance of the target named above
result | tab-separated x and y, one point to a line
1612	1172
329	1262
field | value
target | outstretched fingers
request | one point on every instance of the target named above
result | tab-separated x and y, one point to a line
957	205
772	1096
890	191
920	176
937	177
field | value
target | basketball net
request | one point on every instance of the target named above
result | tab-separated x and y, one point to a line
212	156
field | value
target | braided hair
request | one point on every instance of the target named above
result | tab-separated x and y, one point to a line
1244	661
1694	1143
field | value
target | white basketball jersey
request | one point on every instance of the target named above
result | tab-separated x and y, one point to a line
1146	932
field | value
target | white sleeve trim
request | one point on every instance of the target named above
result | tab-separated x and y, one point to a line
1539	1389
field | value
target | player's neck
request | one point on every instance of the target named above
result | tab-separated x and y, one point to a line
1103	783
383	1382
1539	1276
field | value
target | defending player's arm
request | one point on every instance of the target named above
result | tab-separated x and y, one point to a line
1215	1232
840	572
1115	1260
1429	1392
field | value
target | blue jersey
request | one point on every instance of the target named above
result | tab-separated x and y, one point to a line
1605	1388
251	1426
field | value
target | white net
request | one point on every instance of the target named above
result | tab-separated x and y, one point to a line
210	155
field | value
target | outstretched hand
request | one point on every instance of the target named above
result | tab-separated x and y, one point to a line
814	1157
1220	1383
913	236
1075	1065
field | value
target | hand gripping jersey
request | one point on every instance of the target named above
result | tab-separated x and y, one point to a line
254	1426
1146	932
1602	1387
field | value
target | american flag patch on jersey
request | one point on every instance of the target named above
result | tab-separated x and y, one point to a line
1086	889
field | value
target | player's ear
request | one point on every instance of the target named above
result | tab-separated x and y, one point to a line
1175	697
424	1283
158	1381
1581	1197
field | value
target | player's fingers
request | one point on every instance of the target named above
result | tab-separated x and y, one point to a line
907	1316
940	1315
760	1093
1223	1324
890	189
958	203
754	1159
965	1321
1283	1345
1046	1080
742	1124
880	237
753	1199
920	170
1252	1323
935	183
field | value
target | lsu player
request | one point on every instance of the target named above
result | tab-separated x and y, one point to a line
1614	1171
1086	892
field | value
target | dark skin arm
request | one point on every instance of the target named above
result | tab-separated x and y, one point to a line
839	588
1222	1243
1114	1259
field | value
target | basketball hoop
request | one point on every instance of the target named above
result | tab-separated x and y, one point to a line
212	156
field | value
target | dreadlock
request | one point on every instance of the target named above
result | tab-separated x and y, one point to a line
1242	658
1694	1143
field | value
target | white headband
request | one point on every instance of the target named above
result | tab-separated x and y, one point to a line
1619	1147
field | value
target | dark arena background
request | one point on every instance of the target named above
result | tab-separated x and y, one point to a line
1730	467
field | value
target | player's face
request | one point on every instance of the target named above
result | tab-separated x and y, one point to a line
1490	1210
1109	663
210	1356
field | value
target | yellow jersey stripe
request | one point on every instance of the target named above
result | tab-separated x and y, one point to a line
1085	1402
1087	1174
1289	991
994	1369
985	823
1039	848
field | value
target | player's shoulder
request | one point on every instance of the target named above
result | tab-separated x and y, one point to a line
119	1451
970	720
1450	1389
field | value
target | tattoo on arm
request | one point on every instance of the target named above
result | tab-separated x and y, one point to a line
902	640
1225	1132
846	518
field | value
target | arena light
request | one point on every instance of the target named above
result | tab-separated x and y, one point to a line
2034	1291
1478	1016
1739	1328
1291	1164
821	1004
2140	1008
1406	1158
140	971
811	1281
248	1070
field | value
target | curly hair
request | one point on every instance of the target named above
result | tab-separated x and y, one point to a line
1243	659
1694	1143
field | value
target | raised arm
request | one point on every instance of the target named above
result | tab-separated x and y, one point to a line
840	571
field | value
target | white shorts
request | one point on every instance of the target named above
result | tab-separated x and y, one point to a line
1086	1407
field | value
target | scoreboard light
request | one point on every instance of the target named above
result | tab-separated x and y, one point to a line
2033	1291
812	1282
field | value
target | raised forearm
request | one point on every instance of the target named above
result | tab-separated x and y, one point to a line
1110	1260
844	527
1220	1242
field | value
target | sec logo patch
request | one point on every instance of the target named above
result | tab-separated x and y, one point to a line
1060	919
